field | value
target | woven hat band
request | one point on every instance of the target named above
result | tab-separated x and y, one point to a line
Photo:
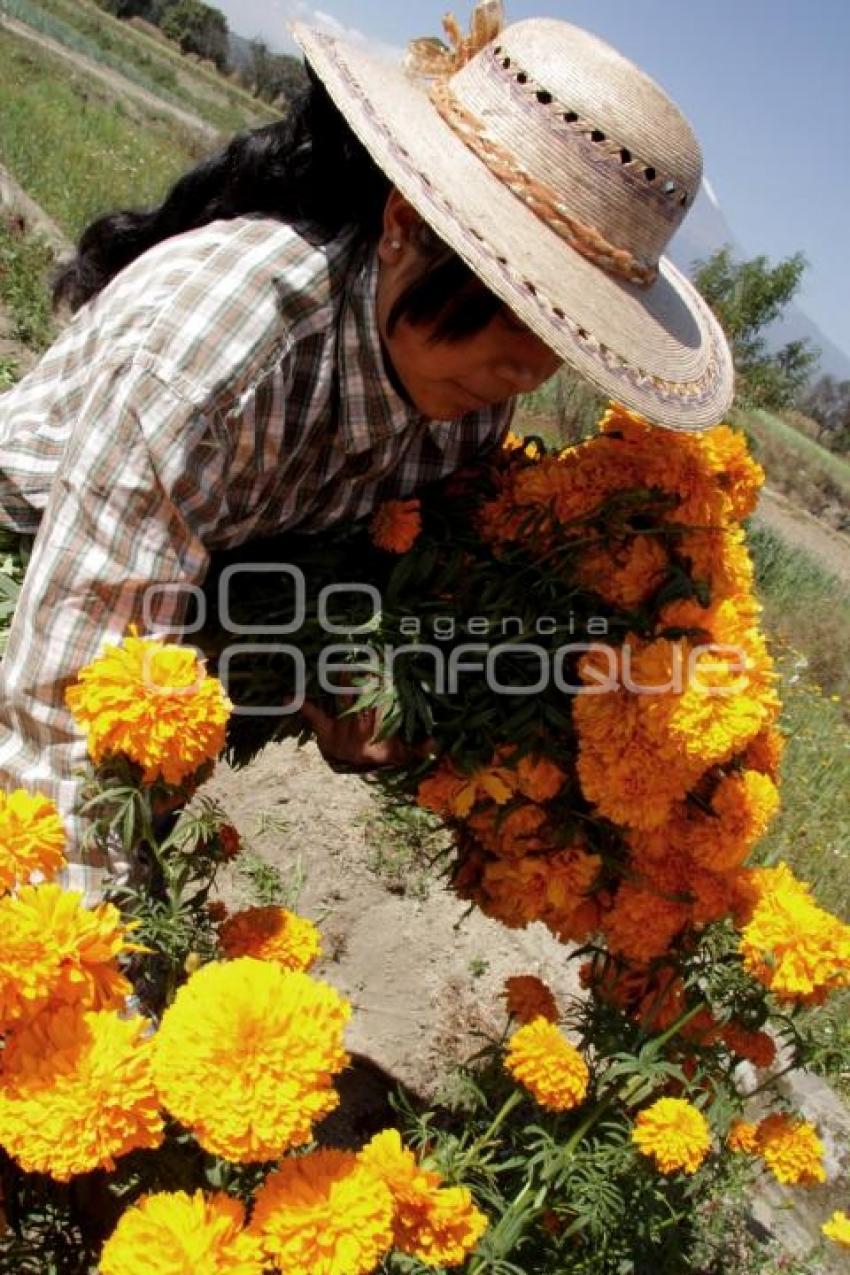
540	197
614	180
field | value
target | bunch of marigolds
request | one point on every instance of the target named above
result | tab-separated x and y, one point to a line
167	1067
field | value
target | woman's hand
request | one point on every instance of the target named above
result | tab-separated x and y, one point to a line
347	745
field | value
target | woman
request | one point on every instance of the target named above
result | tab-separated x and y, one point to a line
332	311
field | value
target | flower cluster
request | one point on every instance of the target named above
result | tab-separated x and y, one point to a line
789	1146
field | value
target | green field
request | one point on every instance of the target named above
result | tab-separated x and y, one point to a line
85	28
76	149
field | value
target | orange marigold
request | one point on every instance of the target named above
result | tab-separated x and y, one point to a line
437	1224
511	833
626	573
743	1136
757	1047
642	924
674	1133
76	1092
395	525
271	933
539	778
527	997
152	702
791	1149
324	1213
54	950
32	837
449	791
541	1058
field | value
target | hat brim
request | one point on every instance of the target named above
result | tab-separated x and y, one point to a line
658	350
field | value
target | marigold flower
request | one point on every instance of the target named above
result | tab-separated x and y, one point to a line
765	752
152	702
541	1058
794	947
757	1047
230	843
791	1149
52	949
271	934
539	778
245	1055
448	791
76	1092
395	525
32	837
642	924
527	997
512	833
837	1228
547	888
324	1213
437	1224
172	1233
624	574
743	1136
674	1133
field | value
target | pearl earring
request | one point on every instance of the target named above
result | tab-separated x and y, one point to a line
395	243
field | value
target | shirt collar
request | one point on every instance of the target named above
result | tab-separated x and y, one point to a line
371	408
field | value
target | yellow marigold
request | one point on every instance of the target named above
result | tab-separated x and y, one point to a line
395	525
32	837
743	806
539	778
271	934
172	1233
324	1213
837	1228
76	1092
245	1056
544	1061
626	573
52	949
448	791
743	1136
674	1133
791	1149
527	997
152	702
437	1224
794	947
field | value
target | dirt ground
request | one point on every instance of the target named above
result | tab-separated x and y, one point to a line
421	976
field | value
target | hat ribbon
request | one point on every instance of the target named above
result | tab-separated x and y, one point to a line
430	58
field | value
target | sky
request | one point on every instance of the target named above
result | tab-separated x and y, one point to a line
765	84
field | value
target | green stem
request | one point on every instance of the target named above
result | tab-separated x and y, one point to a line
478	1145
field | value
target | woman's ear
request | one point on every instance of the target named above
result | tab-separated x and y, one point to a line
401	227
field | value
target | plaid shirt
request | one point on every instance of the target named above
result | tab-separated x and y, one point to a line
228	384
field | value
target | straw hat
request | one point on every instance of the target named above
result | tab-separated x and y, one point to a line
559	172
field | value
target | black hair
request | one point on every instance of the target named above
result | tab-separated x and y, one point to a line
307	167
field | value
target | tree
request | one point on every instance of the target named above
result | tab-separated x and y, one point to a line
747	296
273	75
198	28
827	401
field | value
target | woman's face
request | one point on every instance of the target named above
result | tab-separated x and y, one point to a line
446	379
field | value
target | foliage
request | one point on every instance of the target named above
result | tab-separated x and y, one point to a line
198	28
24	264
74	149
272	75
747	296
827	401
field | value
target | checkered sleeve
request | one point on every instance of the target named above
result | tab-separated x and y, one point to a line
139	486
